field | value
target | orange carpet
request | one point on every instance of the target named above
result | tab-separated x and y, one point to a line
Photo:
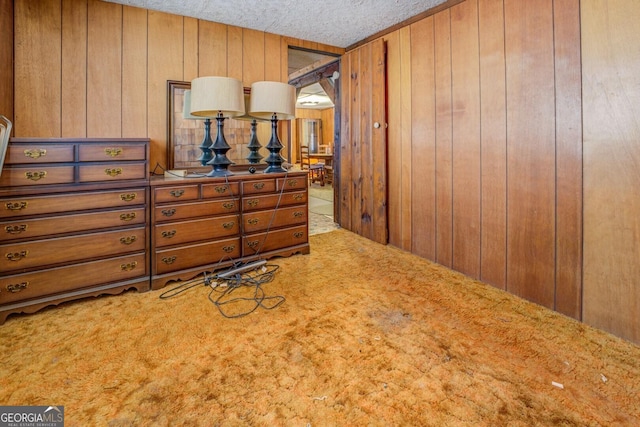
367	335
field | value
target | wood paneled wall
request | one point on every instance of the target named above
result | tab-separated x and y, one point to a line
611	91
6	58
87	68
485	145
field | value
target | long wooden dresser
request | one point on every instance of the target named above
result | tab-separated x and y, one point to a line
73	221
203	224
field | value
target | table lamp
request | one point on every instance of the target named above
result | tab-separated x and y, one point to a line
274	101
206	144
254	145
219	97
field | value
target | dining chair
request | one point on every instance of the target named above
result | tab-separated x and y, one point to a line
316	170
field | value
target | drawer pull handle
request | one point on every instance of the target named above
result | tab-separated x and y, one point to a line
113	172
128	240
298	214
168	212
176	193
253	221
221	189
253	244
35	176
168	234
17	287
16	229
252	203
17	256
292	182
229	205
228	225
16	206
113	152
169	260
35	153
129	266
128	197
298	234
298	196
228	249
128	216
258	185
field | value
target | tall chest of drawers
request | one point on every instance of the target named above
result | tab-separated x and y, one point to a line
73	221
203	224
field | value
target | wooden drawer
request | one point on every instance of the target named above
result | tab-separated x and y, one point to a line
39	253
292	183
25	206
112	172
175	259
35	153
43	175
194	210
38	227
25	286
278	239
176	233
210	191
177	193
254	203
111	152
283	217
259	187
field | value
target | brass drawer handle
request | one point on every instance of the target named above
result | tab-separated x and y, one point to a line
129	266
258	185
113	172
35	153
298	234
229	205
113	152
176	193
169	260
128	216
228	225
253	221
253	203
16	229
128	240
221	189
17	287
168	212
298	196
292	182
35	176
228	249
253	244
168	234
16	206
17	256
298	214
128	197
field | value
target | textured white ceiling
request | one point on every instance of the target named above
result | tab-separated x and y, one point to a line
338	23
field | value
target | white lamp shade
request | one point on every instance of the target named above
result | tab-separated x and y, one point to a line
268	98
186	107
213	95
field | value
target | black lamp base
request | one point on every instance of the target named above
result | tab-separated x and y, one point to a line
274	159
220	161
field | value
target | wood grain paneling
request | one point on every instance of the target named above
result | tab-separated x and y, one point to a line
530	150
611	104
347	141
444	186
423	170
252	56
6	57
272	58
104	69
134	72
406	153
394	132
74	68
190	43
465	86
38	51
568	90
212	49
493	143
234	52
